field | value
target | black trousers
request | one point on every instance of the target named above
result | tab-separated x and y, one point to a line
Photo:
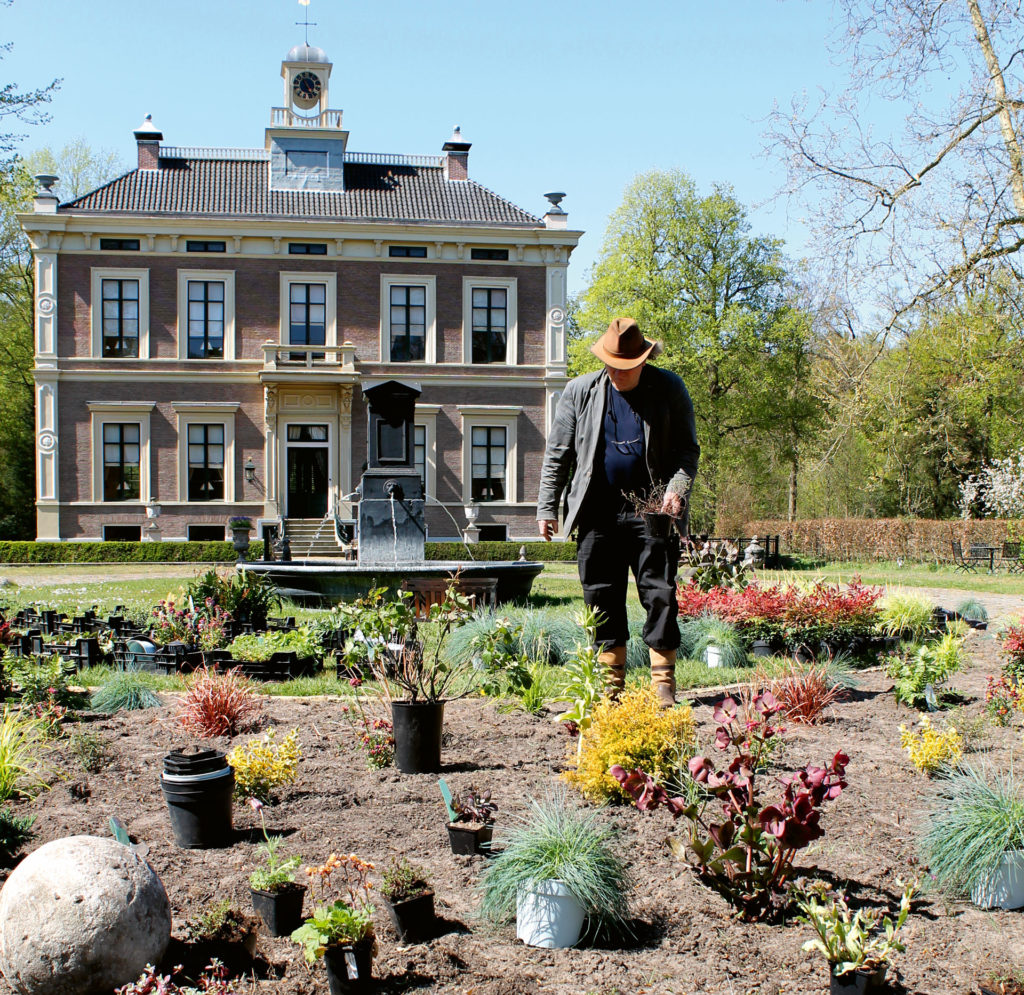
609	545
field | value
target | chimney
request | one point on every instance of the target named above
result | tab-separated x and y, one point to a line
555	217
148	138
45	201
456	160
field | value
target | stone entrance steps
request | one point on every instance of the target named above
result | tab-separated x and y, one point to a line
304	541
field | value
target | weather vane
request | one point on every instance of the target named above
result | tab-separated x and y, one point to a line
307	23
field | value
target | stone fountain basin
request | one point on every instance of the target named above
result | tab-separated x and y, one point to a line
318	580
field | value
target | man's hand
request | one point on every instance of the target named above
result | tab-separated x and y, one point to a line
672	504
547	528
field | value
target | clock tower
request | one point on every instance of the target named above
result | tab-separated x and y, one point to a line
305	137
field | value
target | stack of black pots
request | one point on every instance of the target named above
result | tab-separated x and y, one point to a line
198	789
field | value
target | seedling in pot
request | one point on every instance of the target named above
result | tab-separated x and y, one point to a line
470	819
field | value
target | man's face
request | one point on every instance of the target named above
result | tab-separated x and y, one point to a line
625	380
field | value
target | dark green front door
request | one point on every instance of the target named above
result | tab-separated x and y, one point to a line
307	481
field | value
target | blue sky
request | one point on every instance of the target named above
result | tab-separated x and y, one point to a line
572	95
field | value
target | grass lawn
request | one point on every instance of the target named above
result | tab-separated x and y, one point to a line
907	575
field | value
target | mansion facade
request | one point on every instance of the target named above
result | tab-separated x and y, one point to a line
205	324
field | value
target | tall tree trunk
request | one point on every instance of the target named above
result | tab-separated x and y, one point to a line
792	489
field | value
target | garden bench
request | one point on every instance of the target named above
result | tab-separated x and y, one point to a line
427	591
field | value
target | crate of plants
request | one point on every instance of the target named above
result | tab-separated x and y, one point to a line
276	655
82	653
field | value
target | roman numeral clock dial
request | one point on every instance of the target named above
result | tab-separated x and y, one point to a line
306	89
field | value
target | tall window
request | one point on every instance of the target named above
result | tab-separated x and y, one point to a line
206	462
419	452
408	323
121	462
489	447
490	324
205	319
307	315
120	318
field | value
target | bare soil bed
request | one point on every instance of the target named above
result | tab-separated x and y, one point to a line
685	939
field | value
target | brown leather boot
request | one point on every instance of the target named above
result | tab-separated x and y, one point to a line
614	658
663	676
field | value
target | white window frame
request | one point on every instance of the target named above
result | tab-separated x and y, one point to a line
426	416
491	416
389	280
225	276
125	412
98	275
206	413
287	278
510	286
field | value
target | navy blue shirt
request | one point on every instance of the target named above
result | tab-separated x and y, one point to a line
620	459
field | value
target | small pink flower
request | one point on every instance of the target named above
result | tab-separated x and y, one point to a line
255	804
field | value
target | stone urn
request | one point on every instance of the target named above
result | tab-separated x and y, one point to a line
240	526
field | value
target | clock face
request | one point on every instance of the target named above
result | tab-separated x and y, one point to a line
306	87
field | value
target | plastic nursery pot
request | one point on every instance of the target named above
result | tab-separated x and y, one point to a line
349	966
417	731
548	915
470	838
713	656
1003	888
198	790
658	526
413	918
280	910
856	982
762	647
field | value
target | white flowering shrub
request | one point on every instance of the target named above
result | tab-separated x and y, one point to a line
997	491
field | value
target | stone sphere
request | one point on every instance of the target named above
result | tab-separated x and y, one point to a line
81	915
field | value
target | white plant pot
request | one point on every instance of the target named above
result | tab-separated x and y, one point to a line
1004	887
547	915
713	656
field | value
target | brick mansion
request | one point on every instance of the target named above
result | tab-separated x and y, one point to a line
205	325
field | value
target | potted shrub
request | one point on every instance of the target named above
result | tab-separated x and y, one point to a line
858	946
341	931
416	684
973	843
649	507
559	866
276	896
470	819
241	526
718	643
409	900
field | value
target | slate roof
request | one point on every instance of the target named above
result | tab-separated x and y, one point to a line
239	188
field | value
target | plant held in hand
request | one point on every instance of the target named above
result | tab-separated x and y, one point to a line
746	852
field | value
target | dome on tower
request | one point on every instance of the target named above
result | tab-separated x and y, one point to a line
307	53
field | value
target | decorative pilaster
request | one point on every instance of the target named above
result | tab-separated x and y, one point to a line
554	339
46	304
345	439
270	452
47	455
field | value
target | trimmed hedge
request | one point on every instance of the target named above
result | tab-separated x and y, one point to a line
546	551
123	552
923	540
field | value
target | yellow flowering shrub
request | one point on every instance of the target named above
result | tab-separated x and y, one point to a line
634	732
931	748
261	765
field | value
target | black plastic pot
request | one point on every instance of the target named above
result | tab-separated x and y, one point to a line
190	764
856	982
469	839
417	732
349	967
658	526
280	910
762	647
200	805
413	918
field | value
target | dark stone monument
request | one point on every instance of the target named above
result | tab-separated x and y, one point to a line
391	524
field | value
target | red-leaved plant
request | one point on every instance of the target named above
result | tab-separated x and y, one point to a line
745	854
1013	650
219	704
804	692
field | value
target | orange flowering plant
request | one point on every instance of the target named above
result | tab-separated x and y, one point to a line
345	920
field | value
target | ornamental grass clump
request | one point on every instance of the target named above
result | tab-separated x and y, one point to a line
128	691
978	817
262	765
219	704
931	750
23	771
904	614
805	692
633	732
564	841
738	845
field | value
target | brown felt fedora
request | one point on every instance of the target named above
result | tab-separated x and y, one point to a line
623	346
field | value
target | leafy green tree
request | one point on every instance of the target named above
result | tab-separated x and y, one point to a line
688	268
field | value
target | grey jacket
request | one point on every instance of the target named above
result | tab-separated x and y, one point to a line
670	436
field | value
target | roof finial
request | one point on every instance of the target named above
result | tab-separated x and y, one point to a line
307	23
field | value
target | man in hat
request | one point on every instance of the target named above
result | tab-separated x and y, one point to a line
623	435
